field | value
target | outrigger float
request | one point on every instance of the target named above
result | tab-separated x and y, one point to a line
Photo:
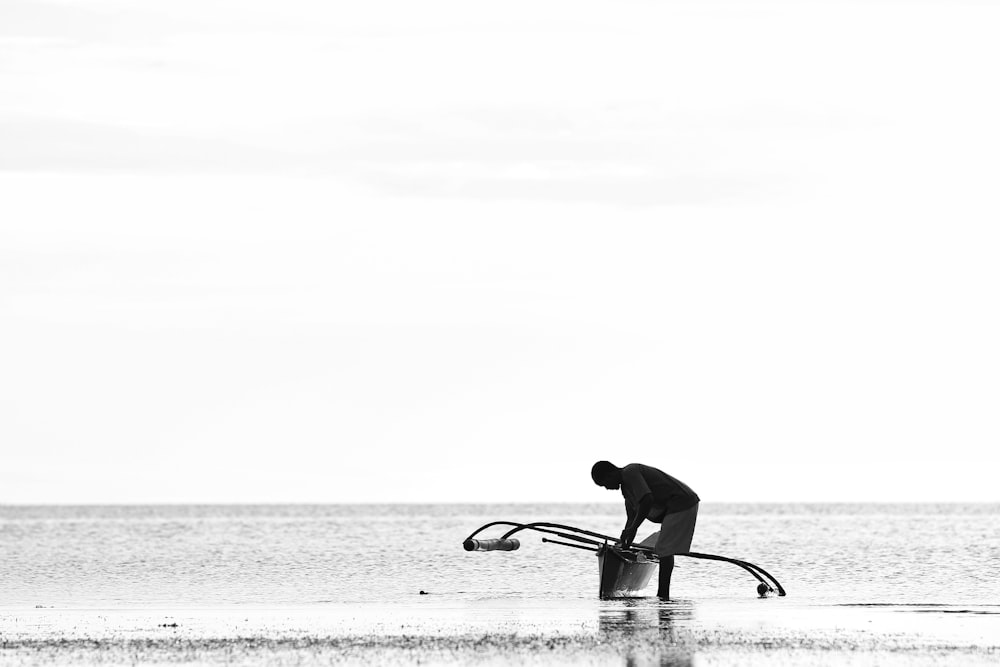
623	572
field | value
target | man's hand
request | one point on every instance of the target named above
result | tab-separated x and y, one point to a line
627	536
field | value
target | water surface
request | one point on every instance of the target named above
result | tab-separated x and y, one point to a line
895	584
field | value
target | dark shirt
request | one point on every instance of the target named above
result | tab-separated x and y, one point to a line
670	495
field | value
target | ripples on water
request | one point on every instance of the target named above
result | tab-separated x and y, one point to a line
291	555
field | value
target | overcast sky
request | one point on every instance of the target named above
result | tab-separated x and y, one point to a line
458	251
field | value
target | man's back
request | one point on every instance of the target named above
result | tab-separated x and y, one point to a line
670	495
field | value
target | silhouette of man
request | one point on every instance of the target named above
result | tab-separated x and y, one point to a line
652	494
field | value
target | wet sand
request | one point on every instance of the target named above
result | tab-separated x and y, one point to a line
501	632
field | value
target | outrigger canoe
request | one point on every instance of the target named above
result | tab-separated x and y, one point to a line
623	572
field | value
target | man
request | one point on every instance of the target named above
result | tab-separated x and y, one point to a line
653	494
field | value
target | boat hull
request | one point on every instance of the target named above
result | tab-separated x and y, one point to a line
623	574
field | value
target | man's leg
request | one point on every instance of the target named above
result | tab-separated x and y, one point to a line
666	569
676	532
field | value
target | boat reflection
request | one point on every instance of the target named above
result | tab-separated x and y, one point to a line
649	631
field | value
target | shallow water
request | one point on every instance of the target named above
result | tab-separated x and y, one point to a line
292	555
893	584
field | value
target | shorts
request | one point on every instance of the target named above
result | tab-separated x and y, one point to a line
676	532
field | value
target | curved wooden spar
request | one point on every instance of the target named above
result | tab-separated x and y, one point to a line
541	528
746	565
541	525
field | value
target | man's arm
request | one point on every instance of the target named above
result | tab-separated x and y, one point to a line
635	518
630	511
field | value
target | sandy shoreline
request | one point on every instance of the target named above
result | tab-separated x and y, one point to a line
491	649
511	632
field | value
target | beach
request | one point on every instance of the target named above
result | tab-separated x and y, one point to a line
632	632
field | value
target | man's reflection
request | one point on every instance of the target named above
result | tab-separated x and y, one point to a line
648	631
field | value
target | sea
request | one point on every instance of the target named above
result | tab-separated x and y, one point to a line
897	581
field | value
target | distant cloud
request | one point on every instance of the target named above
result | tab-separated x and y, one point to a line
84	24
403	159
646	190
65	145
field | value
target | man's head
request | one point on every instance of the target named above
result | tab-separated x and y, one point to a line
606	474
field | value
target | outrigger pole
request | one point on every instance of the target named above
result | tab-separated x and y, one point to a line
622	570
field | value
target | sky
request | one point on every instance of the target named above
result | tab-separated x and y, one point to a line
389	251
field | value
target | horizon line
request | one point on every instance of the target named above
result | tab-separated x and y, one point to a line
293	503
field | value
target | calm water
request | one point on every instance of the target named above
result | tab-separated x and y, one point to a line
211	556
